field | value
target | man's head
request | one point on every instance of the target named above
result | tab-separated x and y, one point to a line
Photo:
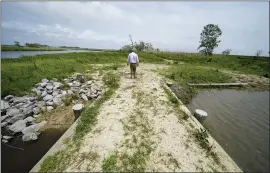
131	50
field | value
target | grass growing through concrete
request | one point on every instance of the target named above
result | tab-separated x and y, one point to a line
63	158
137	146
175	103
201	135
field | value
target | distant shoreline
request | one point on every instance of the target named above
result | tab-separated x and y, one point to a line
24	48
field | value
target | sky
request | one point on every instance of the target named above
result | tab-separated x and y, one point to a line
171	26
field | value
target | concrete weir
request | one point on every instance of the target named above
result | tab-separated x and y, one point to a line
57	146
224	157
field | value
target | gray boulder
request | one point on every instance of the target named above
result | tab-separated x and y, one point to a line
57	101
40	88
49	91
43	84
13	111
4	105
34	128
49	108
45	80
4	124
55	93
83	91
70	84
75	89
29	119
92	96
76	84
47	98
55	88
57	84
43	94
7	137
30	137
9	97
38	92
20	99
64	93
59	96
84	97
15	118
32	99
36	110
4	117
17	126
49	87
49	103
69	92
4	140
89	82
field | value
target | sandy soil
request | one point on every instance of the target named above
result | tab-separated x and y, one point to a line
139	117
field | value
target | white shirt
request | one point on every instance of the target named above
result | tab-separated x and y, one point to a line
133	58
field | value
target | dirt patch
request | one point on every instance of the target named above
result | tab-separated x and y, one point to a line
60	118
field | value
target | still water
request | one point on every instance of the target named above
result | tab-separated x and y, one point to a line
239	121
17	54
18	160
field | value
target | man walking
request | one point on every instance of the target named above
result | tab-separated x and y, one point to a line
133	61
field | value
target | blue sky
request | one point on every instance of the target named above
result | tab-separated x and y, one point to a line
174	26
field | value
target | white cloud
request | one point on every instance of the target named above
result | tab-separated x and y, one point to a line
168	25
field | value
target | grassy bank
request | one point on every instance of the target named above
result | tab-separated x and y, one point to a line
245	64
15	48
21	74
192	74
185	73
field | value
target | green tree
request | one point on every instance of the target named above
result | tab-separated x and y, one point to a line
16	43
226	52
209	39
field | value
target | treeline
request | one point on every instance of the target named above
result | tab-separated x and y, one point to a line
139	46
36	45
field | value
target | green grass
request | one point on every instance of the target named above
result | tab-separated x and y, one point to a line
15	48
245	64
21	74
188	73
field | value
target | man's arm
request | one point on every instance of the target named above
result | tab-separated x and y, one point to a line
138	60
128	60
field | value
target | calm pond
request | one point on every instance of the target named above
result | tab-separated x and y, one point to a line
17	54
239	121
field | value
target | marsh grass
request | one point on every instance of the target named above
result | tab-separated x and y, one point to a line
245	64
192	74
